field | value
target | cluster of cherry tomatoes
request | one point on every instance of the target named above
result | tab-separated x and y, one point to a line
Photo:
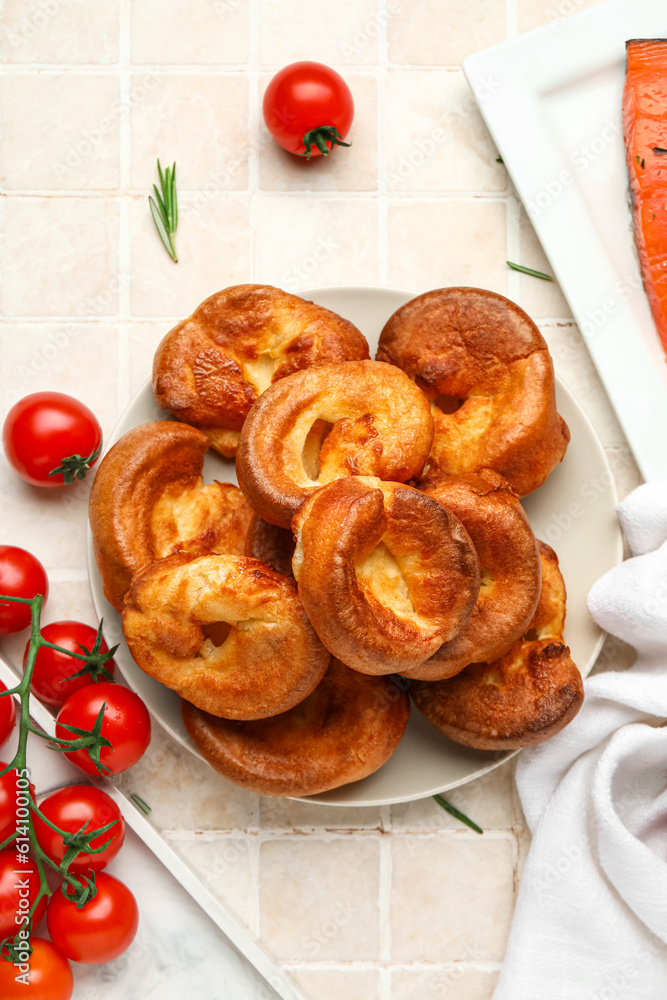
51	440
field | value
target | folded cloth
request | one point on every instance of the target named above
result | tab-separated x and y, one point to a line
591	916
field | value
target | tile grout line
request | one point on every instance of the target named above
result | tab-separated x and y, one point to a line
125	156
382	199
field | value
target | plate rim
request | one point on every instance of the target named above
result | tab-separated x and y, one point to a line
320	799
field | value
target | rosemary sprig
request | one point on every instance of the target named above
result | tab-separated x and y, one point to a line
453	811
164	208
77	888
529	270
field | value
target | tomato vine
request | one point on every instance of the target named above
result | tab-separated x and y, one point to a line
76	889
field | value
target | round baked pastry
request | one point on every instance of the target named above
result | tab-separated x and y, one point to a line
487	370
345	730
210	369
148	500
525	696
509	562
274	546
226	632
359	418
386	574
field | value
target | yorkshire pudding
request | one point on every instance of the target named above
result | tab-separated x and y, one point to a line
210	369
526	696
148	500
346	729
386	574
358	418
272	545
174	624
509	561
487	370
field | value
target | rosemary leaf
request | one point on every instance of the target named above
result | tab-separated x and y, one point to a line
453	811
529	270
164	208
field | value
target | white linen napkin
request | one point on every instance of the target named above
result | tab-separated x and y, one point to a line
591	916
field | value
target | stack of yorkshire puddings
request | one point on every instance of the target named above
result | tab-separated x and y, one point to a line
377	532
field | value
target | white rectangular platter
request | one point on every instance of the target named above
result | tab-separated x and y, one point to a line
552	101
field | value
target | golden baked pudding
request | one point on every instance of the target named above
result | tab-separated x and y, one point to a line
525	696
358	418
510	571
148	500
226	632
386	574
345	730
488	373
210	369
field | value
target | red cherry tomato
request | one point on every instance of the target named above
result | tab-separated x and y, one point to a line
19	885
44	429
7	717
71	807
102	929
304	100
21	575
51	670
10	791
49	975
126	724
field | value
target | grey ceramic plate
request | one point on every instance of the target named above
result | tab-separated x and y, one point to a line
573	511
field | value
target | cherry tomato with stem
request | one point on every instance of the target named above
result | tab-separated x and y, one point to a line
102	929
51	439
308	109
48	973
52	680
72	807
118	714
17	892
21	575
12	796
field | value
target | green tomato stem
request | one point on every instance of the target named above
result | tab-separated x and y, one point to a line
87	738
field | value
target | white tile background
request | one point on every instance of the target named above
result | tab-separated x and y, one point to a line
395	902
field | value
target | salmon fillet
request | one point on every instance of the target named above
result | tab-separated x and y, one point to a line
645	128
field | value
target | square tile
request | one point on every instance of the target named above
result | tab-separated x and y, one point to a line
353	169
319	899
540	298
190	31
184	793
428	148
437	243
427	33
536	13
339	984
213	251
201	122
488	801
59	257
454	982
307	242
223	865
75	32
287	814
81	360
345	32
60	132
452	898
144	338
